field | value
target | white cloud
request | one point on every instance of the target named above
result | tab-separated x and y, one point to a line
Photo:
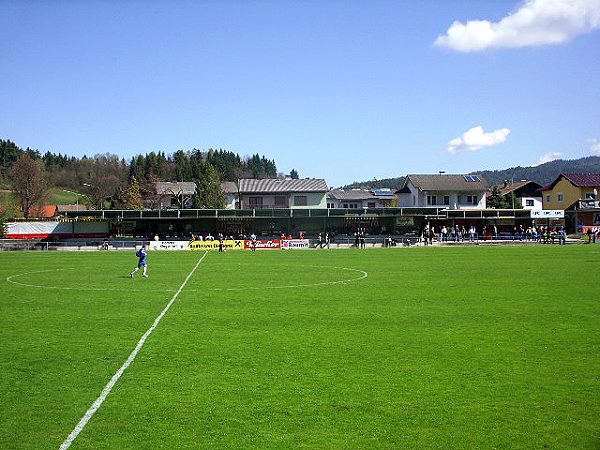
594	147
534	23
476	139
547	157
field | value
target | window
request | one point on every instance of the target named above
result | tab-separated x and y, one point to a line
560	197
281	201
446	199
371	205
528	202
590	196
300	200
330	205
431	200
471	199
548	198
255	202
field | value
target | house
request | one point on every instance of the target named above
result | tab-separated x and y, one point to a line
360	198
230	190
42	211
527	194
282	193
443	190
569	189
178	194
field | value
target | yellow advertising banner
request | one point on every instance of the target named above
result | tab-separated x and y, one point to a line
214	245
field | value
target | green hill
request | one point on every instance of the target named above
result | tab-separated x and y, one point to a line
543	174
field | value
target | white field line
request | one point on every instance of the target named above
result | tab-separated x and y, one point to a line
11	279
96	405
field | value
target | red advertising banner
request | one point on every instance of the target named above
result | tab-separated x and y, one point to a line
263	243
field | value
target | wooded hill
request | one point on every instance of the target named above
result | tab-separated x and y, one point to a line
108	181
543	174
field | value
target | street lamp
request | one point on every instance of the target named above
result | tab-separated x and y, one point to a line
77	195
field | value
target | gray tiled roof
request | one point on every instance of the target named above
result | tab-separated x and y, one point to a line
447	183
173	188
250	185
229	187
350	194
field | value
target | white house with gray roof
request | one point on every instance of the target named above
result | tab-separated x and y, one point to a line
451	191
282	193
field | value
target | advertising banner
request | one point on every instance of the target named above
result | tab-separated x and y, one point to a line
547	214
263	243
214	245
169	245
294	244
58	230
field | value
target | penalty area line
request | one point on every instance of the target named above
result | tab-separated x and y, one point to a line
108	388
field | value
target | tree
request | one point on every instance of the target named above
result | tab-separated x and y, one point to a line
133	195
107	173
9	152
294	174
28	183
496	200
209	193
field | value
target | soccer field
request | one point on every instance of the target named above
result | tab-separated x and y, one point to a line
436	348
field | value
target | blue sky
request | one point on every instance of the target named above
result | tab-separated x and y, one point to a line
341	90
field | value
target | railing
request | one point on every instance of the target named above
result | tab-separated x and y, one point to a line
81	245
427	212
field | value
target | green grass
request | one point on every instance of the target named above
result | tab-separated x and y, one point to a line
437	348
59	196
56	196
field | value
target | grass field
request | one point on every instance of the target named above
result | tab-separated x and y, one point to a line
56	196
433	348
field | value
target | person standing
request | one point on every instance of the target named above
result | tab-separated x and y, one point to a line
141	254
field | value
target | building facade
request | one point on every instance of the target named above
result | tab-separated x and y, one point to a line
451	191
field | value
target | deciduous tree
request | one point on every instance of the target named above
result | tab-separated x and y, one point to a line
28	182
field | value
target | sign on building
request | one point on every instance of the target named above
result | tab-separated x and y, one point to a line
547	214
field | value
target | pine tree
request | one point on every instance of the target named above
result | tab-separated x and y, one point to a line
495	200
209	194
133	196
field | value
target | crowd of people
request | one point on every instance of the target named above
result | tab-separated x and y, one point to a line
541	234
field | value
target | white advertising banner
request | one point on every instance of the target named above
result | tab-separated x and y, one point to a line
547	214
294	244
61	230
169	245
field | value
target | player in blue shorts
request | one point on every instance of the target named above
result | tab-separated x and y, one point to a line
141	254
